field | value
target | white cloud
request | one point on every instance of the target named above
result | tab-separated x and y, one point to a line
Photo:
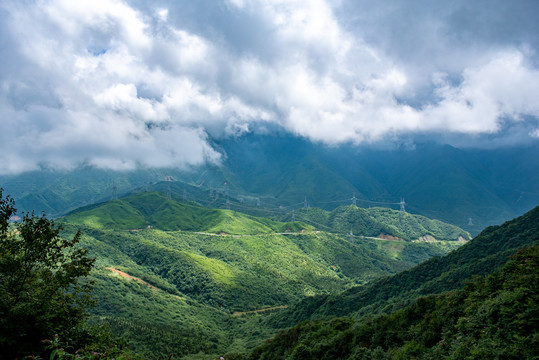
501	90
117	85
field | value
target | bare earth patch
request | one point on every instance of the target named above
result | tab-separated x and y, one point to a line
127	276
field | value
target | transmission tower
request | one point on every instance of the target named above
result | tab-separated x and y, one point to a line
257	201
293	215
470	221
184	197
402	203
211	191
305	204
351	236
227	204
114	192
354	199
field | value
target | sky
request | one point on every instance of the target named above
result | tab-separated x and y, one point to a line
122	84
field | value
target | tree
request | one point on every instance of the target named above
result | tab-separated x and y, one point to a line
41	289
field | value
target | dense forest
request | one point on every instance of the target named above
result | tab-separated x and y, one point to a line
227	281
496	317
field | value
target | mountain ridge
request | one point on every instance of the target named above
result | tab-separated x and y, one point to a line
471	188
153	209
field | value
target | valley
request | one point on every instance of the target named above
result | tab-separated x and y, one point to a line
269	180
173	267
174	277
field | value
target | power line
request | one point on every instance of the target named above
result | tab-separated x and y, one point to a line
214	194
402	203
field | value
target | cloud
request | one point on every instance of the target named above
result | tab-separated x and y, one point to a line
118	84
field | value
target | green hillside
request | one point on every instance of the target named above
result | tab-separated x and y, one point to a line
489	250
175	277
155	210
496	317
222	263
381	221
470	188
202	280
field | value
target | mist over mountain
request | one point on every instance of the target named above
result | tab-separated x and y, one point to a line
471	188
283	100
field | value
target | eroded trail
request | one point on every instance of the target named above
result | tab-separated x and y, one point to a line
127	276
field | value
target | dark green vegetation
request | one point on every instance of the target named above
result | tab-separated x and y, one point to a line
221	262
37	268
43	295
496	317
481	256
439	182
175	277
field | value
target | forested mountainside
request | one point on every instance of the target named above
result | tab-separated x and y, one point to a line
486	252
470	188
153	209
174	277
495	317
214	272
381	222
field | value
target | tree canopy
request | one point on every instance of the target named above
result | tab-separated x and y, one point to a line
42	287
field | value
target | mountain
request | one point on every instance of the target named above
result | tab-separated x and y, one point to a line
471	188
382	222
155	210
482	255
152	209
166	269
490	318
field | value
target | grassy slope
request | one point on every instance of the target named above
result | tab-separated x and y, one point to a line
215	276
486	252
156	210
204	278
375	221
